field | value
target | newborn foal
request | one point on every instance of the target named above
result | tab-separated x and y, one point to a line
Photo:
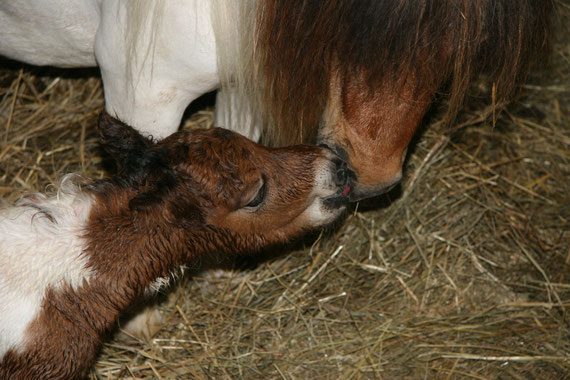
71	264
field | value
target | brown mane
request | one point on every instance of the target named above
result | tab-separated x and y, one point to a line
300	45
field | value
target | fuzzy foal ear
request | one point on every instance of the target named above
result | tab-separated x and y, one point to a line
121	140
123	143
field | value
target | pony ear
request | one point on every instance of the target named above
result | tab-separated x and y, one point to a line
127	146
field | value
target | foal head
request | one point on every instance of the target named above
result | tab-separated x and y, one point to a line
219	182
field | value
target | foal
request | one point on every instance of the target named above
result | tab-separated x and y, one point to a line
70	264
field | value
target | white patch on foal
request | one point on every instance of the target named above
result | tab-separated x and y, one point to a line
36	233
318	212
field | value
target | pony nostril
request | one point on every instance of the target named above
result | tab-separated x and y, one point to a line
341	177
342	173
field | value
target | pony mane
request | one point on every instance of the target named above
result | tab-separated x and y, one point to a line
283	53
142	30
234	24
280	56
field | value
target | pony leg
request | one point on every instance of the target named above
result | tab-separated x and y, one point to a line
155	57
233	111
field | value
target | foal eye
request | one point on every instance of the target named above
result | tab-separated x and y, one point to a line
258	198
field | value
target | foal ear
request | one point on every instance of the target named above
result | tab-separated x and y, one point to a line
122	142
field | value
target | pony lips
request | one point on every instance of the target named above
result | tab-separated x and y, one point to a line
341	198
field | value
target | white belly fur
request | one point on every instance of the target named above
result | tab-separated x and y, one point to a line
37	253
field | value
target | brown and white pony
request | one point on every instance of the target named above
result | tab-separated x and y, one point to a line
70	264
356	75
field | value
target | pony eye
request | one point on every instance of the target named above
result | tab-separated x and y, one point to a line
258	198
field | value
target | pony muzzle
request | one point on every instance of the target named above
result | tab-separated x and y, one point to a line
342	177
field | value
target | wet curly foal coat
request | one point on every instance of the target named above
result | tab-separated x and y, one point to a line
70	264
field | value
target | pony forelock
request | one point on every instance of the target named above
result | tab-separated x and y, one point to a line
283	54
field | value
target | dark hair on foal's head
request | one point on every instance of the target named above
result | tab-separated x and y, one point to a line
126	146
141	162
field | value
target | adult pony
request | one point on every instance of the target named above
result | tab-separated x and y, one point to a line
356	75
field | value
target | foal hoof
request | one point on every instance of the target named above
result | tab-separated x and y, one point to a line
142	325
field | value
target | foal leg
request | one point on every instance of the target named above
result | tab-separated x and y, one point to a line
143	325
